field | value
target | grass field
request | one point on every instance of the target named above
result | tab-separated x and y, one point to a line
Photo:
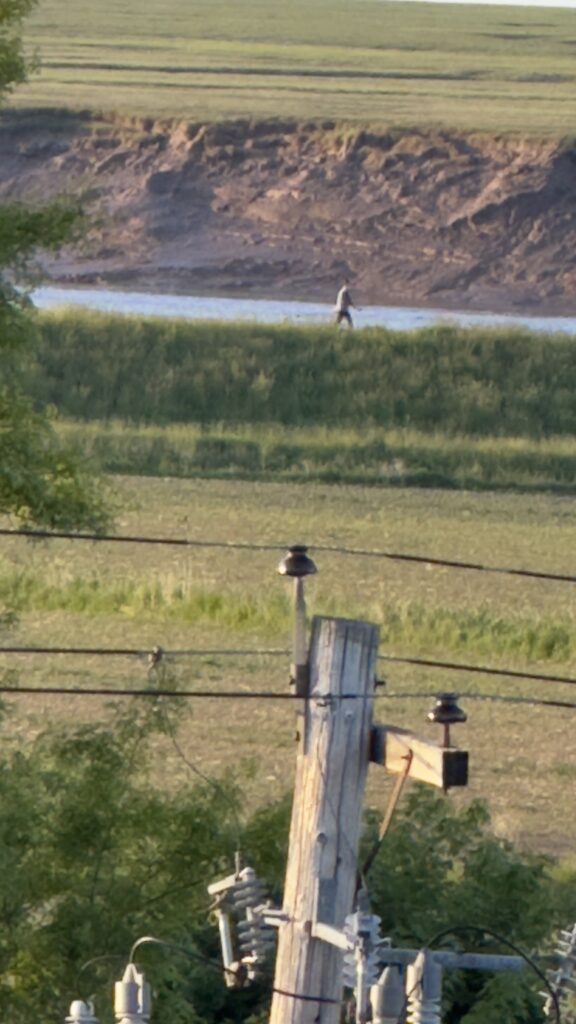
471	68
115	595
389	458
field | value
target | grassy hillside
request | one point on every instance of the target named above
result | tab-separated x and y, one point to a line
477	382
486	68
442	407
474	382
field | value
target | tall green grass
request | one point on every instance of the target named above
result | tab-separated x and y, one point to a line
443	379
373	457
411	625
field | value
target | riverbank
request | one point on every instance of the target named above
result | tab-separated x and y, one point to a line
270	311
444	407
286	210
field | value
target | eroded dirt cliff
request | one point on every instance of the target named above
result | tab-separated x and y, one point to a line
285	210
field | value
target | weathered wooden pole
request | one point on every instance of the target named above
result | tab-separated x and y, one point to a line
326	818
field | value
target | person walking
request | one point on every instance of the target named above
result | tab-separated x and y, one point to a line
344	304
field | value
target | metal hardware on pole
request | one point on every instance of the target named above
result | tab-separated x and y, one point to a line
362	960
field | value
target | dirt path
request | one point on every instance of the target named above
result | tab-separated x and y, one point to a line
282	210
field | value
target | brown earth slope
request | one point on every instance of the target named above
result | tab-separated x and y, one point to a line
283	210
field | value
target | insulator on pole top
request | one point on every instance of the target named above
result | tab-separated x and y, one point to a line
132	998
387	997
424	990
81	1013
297	562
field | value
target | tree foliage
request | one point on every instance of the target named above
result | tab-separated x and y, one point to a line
96	851
41	480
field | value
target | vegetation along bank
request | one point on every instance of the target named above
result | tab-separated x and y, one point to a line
437	407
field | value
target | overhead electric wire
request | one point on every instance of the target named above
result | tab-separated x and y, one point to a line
92	691
484	669
503	699
503	940
142	652
101	691
114	538
448	563
199	652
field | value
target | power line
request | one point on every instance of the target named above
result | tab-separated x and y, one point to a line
137	652
92	691
274	652
484	669
111	538
458	929
498	698
248	546
102	691
449	563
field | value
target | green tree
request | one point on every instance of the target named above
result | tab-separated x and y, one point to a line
41	481
440	868
97	849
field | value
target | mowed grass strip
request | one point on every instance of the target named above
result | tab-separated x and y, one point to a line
406	64
115	595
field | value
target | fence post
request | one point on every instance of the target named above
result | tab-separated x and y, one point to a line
326	817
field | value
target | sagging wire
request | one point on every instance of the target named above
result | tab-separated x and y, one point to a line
452	666
156	675
247	546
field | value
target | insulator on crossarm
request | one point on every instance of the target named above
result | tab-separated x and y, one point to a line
387	997
563	978
257	942
363	933
424	991
248	892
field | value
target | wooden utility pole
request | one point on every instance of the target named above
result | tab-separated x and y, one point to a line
335	731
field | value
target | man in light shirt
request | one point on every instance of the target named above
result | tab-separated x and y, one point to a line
344	304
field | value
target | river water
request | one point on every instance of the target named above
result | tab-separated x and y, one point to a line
274	312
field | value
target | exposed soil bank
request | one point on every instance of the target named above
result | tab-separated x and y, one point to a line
283	210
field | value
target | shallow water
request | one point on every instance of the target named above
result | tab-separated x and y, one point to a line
275	312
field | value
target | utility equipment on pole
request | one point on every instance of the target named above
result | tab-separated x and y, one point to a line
132	998
246	925
81	1013
563	978
322	861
